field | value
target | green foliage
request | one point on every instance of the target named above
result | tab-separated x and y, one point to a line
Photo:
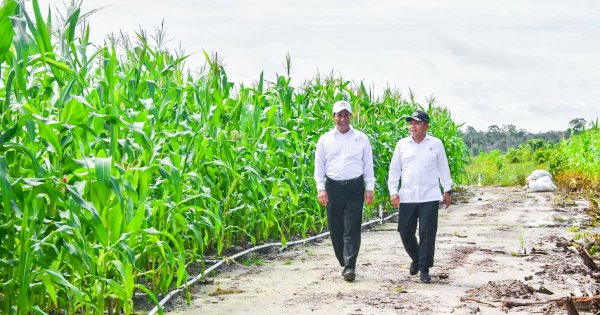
576	166
581	153
574	163
577	125
253	260
512	168
118	170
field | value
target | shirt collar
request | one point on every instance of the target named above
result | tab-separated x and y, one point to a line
427	137
336	131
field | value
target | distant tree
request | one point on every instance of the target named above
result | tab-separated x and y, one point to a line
470	138
577	125
509	130
494	129
552	136
506	137
495	139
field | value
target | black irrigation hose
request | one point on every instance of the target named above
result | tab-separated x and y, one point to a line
218	263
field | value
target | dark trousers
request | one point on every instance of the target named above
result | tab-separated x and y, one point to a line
426	213
344	214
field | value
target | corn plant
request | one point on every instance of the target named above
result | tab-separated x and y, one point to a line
576	165
119	169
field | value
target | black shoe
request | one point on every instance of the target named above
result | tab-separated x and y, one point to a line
414	268
425	278
348	274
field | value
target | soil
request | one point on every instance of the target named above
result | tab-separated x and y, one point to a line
485	256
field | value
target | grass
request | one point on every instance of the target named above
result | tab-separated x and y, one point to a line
488	169
310	253
574	164
253	261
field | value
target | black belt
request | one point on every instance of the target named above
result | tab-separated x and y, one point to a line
345	181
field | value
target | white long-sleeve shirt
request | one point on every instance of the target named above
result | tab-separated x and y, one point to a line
422	167
342	156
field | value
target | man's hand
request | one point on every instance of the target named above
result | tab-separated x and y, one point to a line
395	200
368	197
447	199
323	198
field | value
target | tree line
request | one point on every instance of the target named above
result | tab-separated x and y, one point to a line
508	136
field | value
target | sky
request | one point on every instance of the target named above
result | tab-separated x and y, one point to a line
533	64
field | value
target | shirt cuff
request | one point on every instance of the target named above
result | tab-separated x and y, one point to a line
320	186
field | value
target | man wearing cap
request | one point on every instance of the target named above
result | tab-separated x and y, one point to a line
343	166
420	164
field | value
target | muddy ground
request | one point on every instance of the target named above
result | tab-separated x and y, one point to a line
493	245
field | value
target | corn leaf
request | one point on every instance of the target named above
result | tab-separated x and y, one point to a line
6	29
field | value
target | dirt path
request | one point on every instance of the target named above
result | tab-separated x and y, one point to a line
475	267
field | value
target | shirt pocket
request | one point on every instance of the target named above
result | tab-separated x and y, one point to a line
333	152
408	159
354	152
430	159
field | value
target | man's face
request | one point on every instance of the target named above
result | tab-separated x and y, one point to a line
418	129
342	120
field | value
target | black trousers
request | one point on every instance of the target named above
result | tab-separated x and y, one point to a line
344	215
426	213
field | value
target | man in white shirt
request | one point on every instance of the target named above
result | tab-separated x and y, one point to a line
420	162
343	166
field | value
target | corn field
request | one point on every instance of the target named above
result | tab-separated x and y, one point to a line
577	165
119	169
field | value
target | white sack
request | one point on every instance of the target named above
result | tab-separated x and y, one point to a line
537	174
544	179
541	185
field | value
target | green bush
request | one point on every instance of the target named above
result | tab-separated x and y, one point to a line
575	160
510	169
